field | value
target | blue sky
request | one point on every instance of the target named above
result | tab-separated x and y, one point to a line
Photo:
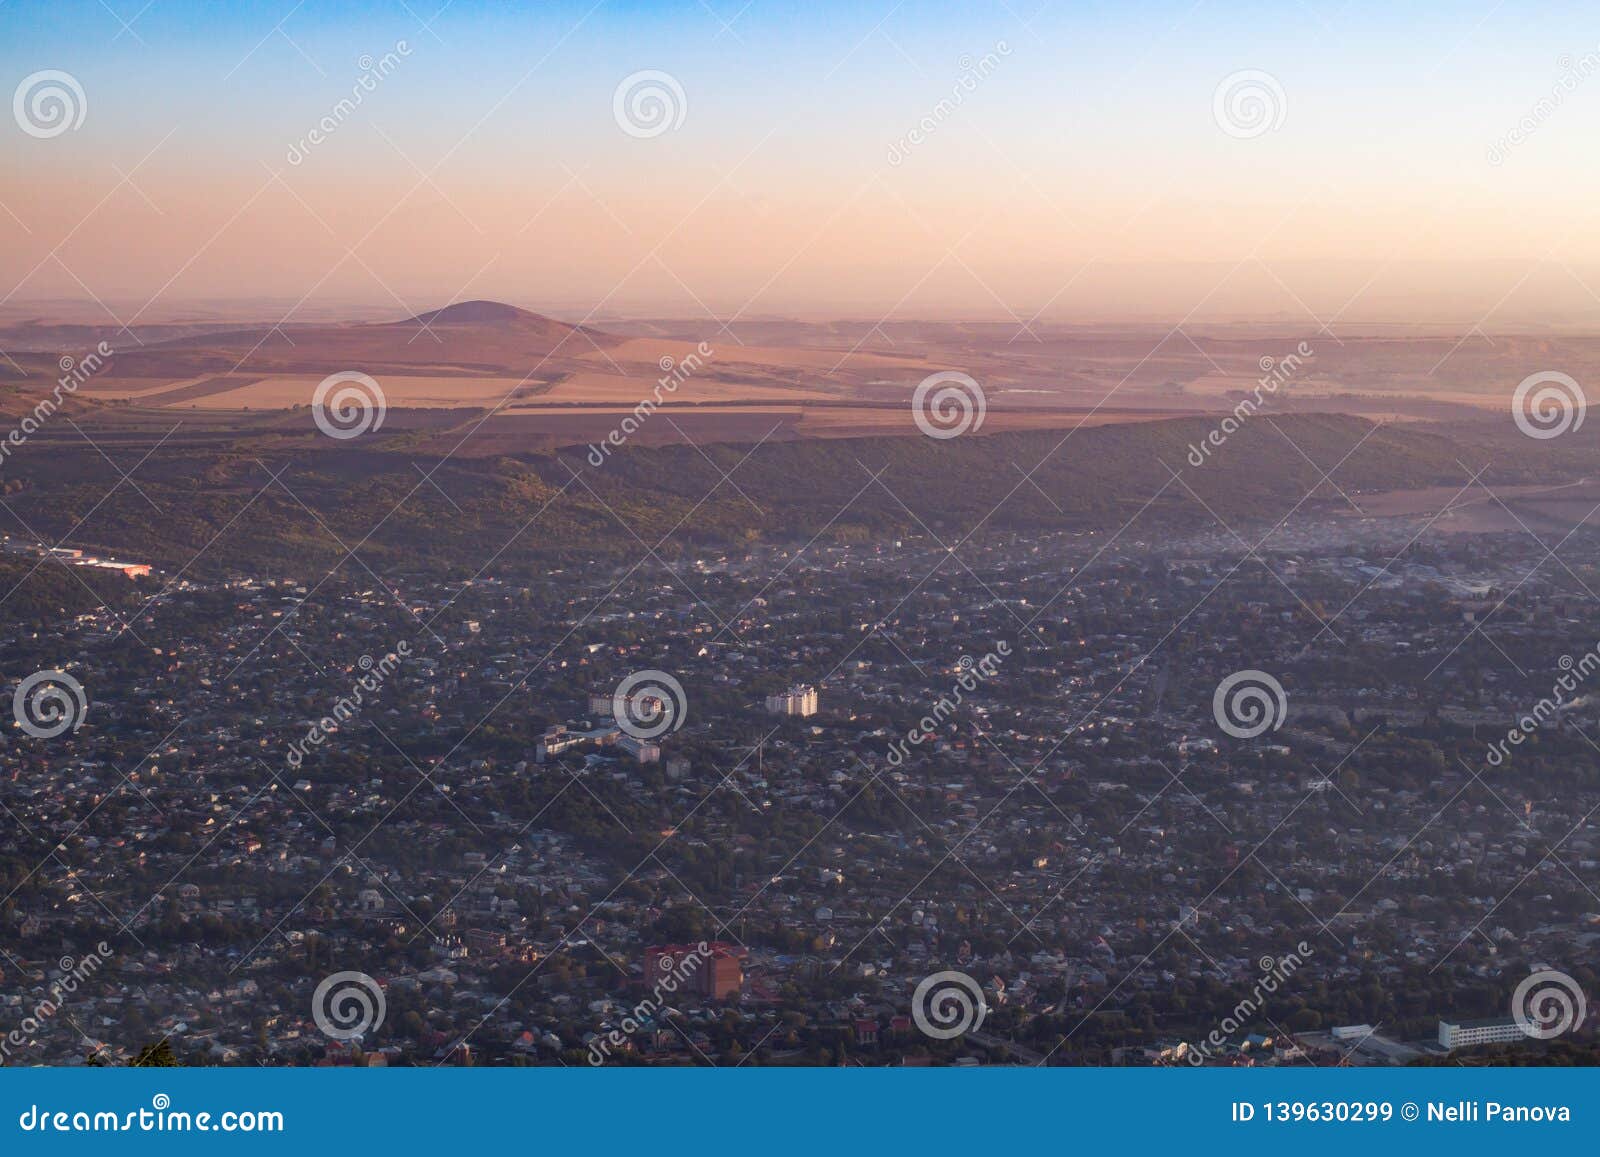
781	159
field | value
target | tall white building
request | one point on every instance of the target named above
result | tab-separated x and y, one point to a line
801	699
1462	1034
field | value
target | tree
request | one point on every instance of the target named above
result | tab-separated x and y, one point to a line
156	1056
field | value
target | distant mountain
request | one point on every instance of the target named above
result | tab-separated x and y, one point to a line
478	313
464	339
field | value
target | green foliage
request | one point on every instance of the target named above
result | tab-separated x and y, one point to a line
155	1056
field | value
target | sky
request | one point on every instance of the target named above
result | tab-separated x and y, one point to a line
1071	162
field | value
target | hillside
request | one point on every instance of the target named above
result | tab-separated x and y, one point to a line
674	498
468	338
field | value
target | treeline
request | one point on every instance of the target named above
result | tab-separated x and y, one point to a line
220	511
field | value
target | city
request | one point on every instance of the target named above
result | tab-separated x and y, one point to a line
824	576
1068	823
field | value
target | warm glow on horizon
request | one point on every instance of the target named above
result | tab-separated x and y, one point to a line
926	160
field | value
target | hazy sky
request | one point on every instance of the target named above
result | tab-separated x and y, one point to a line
1087	173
